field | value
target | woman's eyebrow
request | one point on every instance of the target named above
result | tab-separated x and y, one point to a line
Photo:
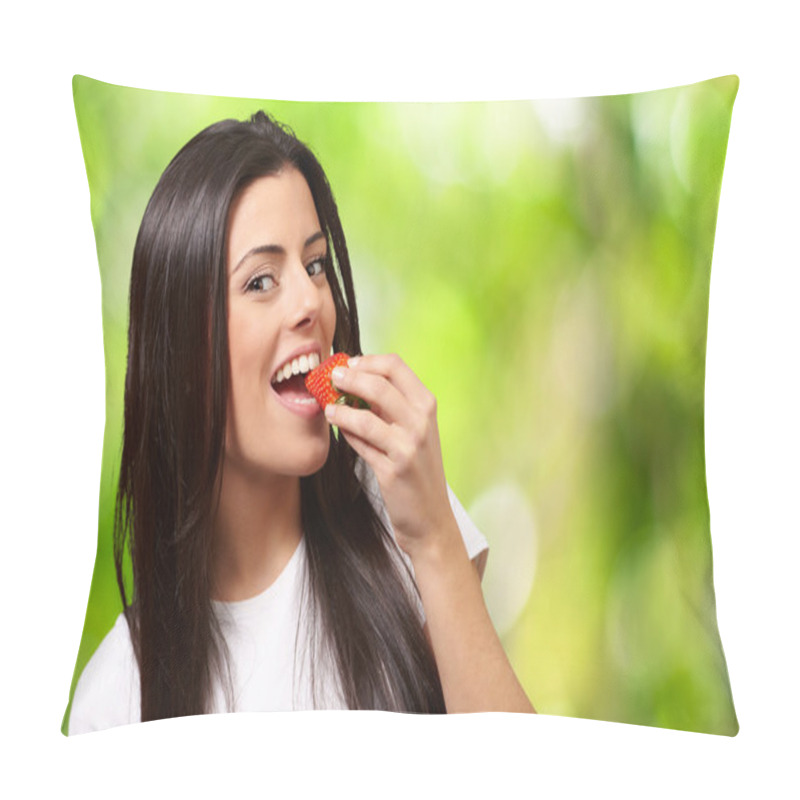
276	249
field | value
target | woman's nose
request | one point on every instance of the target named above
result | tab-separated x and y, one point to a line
304	299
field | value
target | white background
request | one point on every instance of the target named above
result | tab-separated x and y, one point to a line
53	385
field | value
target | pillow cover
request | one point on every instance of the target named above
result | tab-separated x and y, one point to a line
544	267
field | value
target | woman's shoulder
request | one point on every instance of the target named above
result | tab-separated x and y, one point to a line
475	542
107	693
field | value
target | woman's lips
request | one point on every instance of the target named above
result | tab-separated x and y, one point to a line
294	396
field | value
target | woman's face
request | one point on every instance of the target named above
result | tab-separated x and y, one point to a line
280	312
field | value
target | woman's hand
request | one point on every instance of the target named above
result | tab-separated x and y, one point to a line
398	437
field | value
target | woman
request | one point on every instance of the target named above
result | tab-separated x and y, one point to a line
266	572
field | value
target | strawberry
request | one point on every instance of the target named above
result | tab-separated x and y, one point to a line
319	383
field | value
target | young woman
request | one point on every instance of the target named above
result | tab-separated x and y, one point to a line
266	567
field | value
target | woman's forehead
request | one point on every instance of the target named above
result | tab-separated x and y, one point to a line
275	211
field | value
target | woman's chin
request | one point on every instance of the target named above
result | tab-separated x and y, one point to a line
312	468
299	460
313	458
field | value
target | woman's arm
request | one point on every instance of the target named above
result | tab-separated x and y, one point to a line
398	437
475	672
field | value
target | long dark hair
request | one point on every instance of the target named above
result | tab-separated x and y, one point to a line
174	429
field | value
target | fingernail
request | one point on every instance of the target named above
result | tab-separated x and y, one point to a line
337	373
351	362
330	410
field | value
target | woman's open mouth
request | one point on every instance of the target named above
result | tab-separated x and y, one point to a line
288	383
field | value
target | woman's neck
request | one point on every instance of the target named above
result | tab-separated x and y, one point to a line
257	528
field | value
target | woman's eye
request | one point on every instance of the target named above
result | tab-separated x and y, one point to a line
261	283
316	267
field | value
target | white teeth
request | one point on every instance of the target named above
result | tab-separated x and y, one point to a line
297	366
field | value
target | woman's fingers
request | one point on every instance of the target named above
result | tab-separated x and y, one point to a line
395	371
363	424
375	458
391	388
383	397
397	397
399	445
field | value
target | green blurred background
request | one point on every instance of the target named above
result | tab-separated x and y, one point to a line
544	268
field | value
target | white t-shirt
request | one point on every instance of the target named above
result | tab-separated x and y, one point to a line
265	638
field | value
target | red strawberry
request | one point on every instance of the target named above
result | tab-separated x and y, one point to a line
319	383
